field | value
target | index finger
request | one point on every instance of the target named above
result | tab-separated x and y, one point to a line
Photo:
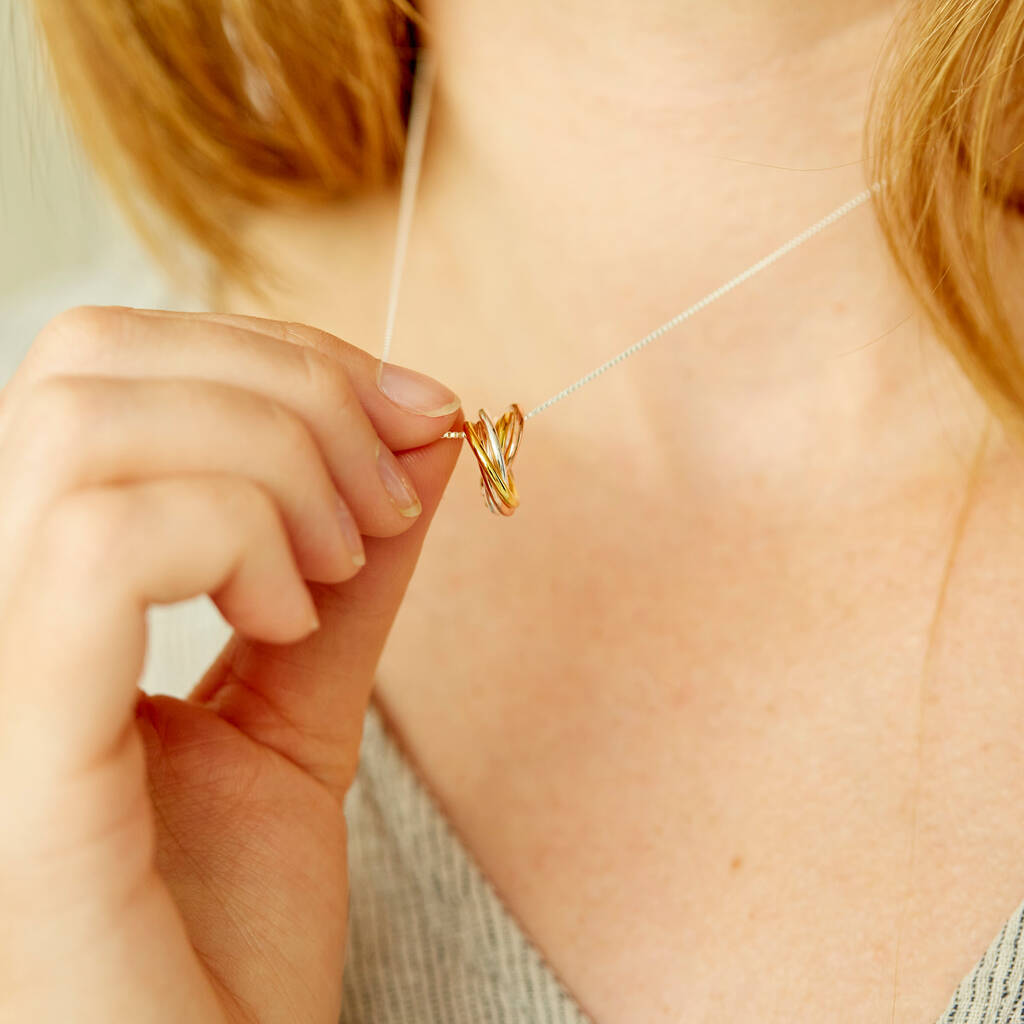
400	425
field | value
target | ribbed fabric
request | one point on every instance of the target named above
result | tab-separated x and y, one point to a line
430	941
993	992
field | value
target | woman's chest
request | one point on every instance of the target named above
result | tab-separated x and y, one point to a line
739	791
765	878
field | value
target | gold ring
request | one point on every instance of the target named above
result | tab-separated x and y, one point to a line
495	446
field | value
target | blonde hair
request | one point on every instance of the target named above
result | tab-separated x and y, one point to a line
201	108
944	134
215	106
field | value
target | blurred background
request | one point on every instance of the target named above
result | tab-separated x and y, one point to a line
53	219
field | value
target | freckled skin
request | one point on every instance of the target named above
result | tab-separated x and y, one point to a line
676	695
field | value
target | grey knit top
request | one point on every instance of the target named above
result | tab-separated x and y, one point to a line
430	941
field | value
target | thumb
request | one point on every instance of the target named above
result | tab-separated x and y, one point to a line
308	700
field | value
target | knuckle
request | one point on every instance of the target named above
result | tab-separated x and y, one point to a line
79	333
329	385
308	336
291	435
60	407
54	414
84	530
247	506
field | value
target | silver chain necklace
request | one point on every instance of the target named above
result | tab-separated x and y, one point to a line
495	443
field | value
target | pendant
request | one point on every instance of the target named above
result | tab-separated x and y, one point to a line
495	446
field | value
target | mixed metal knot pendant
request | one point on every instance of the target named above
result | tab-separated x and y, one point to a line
495	446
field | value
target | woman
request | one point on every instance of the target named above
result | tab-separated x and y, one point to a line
726	715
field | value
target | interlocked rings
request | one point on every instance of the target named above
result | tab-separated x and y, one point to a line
495	446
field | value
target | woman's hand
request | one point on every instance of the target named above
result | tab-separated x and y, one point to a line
166	860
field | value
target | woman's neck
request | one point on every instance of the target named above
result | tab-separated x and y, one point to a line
593	169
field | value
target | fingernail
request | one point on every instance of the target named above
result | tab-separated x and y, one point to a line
396	483
416	392
353	539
